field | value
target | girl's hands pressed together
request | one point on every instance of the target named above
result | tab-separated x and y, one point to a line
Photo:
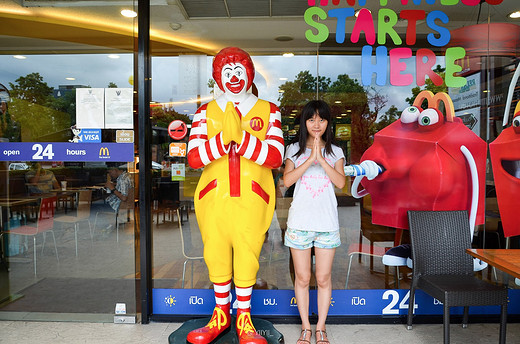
316	127
317	147
314	151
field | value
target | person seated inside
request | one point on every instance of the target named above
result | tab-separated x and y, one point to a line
118	184
40	180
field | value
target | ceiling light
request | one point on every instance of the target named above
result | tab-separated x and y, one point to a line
19	57
288	55
175	26
283	79
128	13
283	38
337	102
70	78
515	15
113	56
343	114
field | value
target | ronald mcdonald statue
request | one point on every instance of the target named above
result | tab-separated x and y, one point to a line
237	138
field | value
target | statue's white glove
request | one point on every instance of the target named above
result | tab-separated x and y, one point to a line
372	169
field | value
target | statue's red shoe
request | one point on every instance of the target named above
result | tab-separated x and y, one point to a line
218	325
245	330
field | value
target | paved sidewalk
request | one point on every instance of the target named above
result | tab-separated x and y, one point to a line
18	332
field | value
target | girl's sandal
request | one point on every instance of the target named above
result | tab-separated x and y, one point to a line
321	337
303	336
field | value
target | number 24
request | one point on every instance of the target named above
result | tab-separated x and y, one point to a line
394	296
42	152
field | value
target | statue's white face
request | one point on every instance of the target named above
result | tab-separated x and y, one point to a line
234	79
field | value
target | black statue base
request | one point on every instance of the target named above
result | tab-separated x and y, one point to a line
263	327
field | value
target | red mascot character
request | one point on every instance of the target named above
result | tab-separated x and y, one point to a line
238	139
430	162
505	159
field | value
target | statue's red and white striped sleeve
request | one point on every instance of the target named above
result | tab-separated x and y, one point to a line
202	151
268	152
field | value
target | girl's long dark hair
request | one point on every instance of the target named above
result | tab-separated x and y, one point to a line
322	109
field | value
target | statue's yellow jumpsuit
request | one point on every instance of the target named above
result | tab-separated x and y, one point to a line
235	197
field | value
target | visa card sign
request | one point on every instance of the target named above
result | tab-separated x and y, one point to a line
90	135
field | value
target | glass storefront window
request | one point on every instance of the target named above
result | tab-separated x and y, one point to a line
336	71
68	244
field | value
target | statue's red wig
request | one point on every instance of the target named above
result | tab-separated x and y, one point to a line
232	55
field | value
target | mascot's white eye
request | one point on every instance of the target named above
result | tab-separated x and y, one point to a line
410	114
428	117
516	122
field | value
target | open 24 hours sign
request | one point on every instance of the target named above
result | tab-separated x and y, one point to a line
64	151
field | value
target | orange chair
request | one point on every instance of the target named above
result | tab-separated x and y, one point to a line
44	224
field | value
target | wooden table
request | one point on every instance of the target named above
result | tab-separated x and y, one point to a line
507	260
11	202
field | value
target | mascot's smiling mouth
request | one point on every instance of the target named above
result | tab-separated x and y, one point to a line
512	167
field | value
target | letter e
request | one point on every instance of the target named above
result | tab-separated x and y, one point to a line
453	54
396	67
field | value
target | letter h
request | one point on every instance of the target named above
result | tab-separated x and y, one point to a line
380	68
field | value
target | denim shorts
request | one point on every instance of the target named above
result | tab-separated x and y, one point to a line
306	239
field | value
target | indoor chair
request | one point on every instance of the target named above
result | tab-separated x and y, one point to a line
374	233
44	223
186	251
443	269
124	207
165	198
82	214
398	257
365	250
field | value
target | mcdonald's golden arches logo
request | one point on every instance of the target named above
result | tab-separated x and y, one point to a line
293	301
434	100
256	123
104	153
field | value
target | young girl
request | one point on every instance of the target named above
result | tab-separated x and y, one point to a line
315	164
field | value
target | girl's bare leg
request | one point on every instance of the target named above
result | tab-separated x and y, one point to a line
324	259
302	277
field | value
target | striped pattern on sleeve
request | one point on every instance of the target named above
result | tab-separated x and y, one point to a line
202	151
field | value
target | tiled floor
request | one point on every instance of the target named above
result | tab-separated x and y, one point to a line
93	333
